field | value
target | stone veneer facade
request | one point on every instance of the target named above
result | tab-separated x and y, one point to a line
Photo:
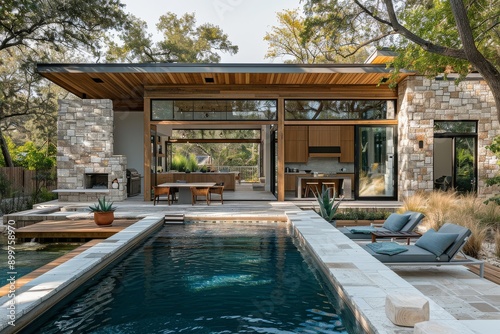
85	146
421	101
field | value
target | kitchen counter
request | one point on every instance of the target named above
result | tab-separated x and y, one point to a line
343	184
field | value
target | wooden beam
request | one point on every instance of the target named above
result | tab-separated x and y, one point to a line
281	150
147	150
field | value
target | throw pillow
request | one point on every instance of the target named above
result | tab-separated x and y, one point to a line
387	248
436	242
395	222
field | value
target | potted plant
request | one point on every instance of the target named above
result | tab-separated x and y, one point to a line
327	205
103	212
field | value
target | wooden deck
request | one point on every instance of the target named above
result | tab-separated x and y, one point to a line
71	230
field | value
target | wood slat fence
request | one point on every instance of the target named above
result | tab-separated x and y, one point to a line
21	179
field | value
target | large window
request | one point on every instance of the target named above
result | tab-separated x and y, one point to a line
376	156
213	110
339	109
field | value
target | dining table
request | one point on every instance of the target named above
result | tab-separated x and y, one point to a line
184	196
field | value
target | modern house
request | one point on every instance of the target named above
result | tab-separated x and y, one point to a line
344	121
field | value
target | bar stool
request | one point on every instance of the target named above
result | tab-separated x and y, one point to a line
331	187
311	187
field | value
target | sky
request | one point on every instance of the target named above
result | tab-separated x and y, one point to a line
244	21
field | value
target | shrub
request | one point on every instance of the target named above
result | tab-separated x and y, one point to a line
16	203
327	205
182	163
497	243
474	245
357	214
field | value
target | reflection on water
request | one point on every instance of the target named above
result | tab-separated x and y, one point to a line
30	256
229	277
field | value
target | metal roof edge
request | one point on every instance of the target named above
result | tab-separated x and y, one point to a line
208	68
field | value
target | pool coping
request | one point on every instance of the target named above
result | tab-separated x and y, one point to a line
38	295
362	283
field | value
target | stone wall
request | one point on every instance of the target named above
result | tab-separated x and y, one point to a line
85	145
421	101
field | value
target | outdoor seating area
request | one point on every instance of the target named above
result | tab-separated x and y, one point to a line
200	191
242	210
394	224
442	247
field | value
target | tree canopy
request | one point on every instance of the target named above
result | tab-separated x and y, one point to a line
72	30
430	36
183	41
70	23
292	41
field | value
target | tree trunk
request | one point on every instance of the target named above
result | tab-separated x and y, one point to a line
5	151
489	72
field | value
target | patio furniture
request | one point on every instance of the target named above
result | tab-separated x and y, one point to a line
184	194
432	248
217	189
200	191
395	235
331	187
158	191
405	222
443	183
311	187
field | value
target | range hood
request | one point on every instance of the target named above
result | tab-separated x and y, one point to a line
324	151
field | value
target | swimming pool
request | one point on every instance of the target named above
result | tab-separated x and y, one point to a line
31	256
224	277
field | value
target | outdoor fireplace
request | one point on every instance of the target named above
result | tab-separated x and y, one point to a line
96	181
86	164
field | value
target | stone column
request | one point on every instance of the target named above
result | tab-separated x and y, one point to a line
85	146
421	102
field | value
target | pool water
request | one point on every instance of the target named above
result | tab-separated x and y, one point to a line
30	256
206	277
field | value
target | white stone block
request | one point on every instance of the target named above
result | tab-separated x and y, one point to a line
406	309
441	327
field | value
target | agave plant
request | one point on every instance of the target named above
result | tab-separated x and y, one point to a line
102	206
327	205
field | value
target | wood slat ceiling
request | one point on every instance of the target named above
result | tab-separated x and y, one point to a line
124	83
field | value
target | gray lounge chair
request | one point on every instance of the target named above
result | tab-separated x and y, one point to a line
424	253
414	219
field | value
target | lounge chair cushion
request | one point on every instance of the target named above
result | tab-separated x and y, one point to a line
388	248
359	236
413	254
362	229
396	221
436	242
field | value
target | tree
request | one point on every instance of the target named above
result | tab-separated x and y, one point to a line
430	37
183	42
28	105
33	31
70	23
290	39
495	148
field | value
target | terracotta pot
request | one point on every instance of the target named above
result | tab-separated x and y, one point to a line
104	218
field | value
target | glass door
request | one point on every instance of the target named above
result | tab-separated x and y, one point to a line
154	156
455	155
465	164
376	162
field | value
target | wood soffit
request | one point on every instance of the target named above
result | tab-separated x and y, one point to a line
126	84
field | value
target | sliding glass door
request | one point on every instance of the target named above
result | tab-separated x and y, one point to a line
376	147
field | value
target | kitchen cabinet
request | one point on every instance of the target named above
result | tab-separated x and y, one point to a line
347	143
296	143
291	181
324	135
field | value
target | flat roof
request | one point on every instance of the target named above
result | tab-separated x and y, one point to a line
125	83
